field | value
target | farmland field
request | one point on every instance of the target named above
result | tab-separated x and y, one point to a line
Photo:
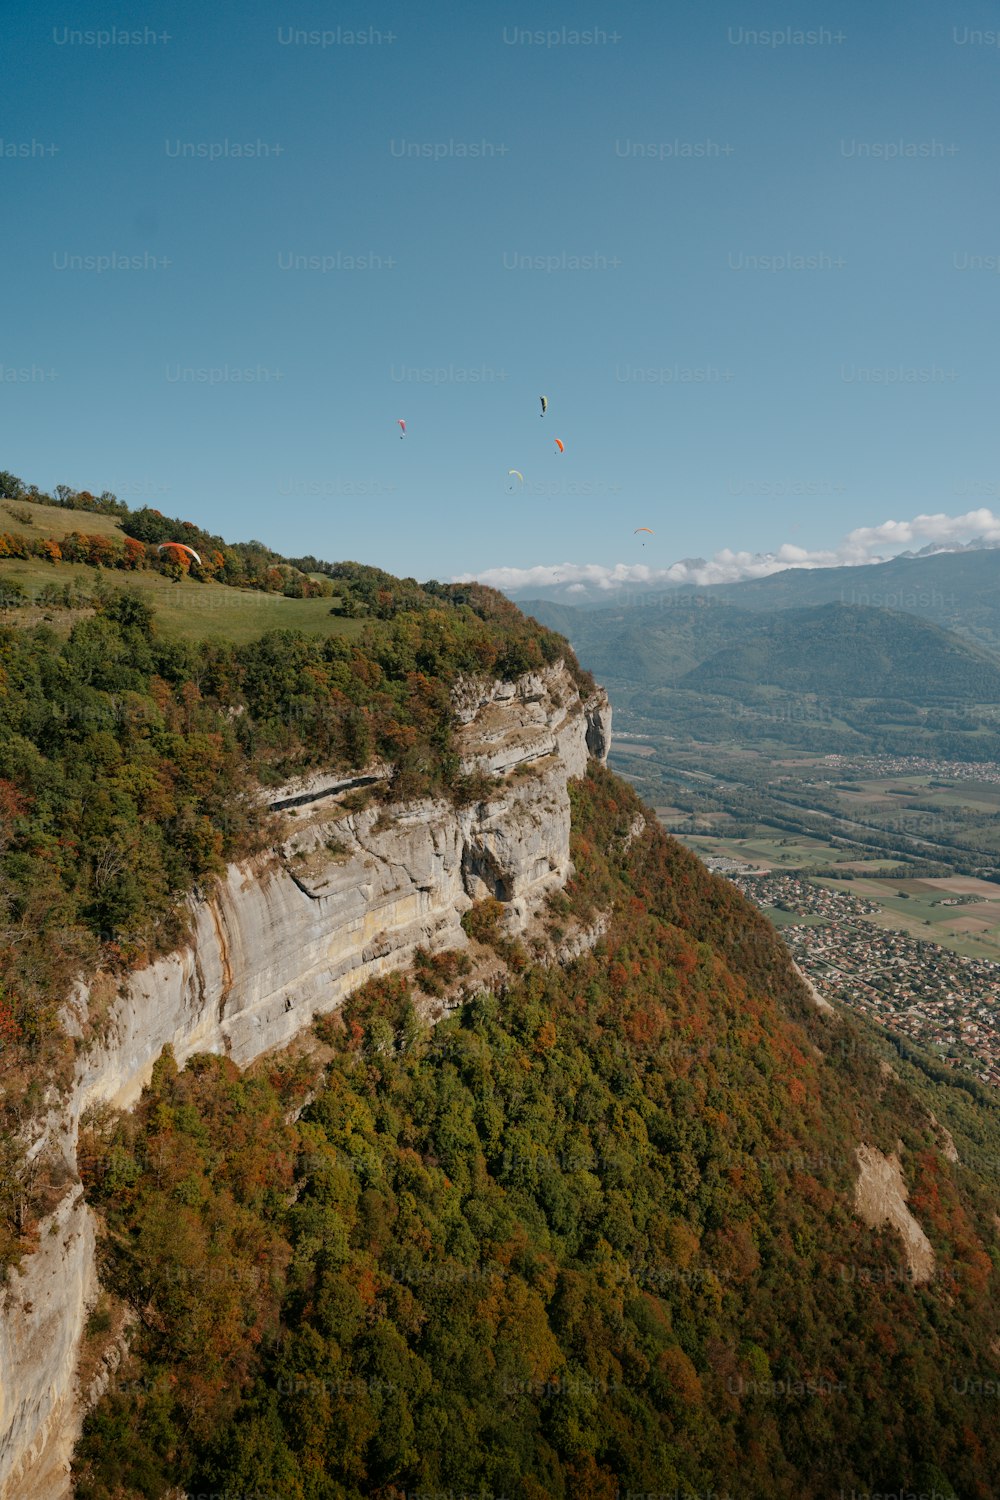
916	908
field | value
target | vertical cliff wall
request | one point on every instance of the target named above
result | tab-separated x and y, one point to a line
283	938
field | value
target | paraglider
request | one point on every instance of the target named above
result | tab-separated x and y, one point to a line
517	475
560	445
402	426
643	528
181	547
545	405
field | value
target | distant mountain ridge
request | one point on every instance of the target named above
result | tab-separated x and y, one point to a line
831	676
839	649
956	590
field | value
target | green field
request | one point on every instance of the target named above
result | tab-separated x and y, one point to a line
920	913
782	852
975	795
55	521
972	930
978	795
185	610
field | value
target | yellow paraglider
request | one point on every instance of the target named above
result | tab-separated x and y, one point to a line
517	475
545	405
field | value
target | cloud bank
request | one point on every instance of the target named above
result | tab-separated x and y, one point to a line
866	544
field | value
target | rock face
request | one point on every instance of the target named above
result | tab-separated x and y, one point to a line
820	1001
43	1316
349	895
880	1198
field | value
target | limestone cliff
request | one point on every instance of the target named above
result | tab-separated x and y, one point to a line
345	896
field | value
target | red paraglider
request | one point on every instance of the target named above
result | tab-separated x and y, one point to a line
402	425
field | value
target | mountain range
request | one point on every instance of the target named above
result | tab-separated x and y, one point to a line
832	676
957	590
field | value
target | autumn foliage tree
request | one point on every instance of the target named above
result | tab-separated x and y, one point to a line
586	1223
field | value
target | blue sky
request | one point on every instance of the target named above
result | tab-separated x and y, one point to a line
703	388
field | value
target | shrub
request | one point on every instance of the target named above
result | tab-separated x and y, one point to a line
484	921
434	972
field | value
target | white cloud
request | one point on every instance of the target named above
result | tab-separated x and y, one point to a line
937	528
727	566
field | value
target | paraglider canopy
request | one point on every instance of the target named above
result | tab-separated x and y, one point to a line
643	528
560	445
181	547
517	474
545	404
402	425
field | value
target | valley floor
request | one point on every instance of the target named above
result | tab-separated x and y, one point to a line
944	1001
879	871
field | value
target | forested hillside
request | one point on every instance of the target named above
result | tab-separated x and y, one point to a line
833	677
131	769
593	1234
836	651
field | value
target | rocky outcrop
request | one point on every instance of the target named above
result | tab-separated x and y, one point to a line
346	896
598	711
819	1000
44	1312
880	1199
506	724
583	939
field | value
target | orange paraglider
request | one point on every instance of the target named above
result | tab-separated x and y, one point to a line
181	547
560	445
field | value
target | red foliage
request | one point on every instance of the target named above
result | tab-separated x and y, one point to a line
175	555
13	802
645	1027
134	554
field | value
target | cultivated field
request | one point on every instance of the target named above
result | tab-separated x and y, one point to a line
917	908
783	852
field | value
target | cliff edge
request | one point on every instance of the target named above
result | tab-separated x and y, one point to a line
345	896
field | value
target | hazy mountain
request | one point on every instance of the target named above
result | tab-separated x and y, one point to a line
958	590
836	650
834	676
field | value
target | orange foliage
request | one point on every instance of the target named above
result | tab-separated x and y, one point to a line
546	1037
682	1376
646	1026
